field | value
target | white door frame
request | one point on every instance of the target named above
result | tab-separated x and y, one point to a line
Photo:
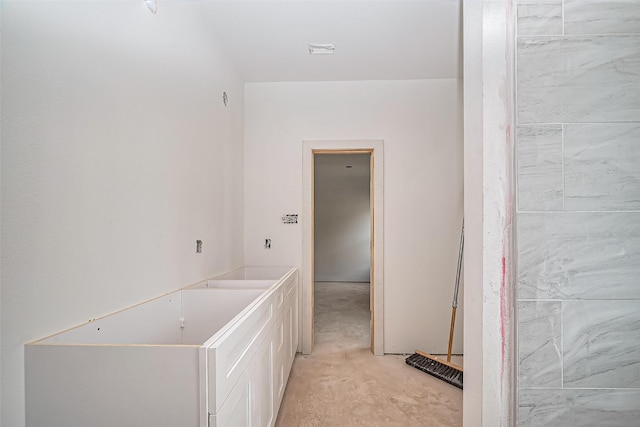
375	147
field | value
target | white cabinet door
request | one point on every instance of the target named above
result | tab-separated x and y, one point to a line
262	386
279	382
291	326
250	402
236	411
281	345
256	396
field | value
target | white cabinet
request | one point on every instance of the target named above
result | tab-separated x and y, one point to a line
250	402
237	409
212	354
262	409
291	321
256	397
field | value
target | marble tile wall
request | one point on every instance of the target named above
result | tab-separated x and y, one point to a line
578	212
579	407
540	168
602	166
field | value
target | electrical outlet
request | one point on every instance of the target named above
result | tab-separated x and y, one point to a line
267	243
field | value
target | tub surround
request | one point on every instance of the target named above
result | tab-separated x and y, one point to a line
578	219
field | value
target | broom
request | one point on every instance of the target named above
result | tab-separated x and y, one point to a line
443	370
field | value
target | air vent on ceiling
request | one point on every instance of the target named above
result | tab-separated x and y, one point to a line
321	48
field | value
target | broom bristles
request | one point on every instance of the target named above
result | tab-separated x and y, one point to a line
443	370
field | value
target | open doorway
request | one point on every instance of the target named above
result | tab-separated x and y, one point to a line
342	250
371	160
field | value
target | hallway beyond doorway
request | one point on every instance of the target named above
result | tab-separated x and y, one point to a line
342	316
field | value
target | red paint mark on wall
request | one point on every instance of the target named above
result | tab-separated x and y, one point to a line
505	279
503	310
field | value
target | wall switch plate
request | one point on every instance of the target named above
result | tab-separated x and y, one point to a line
198	246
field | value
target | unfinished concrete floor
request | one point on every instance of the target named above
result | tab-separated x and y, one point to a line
343	384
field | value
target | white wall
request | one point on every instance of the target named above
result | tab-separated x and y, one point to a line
1	382
117	154
472	402
420	122
342	218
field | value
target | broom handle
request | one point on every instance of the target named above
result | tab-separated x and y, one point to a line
454	304
453	321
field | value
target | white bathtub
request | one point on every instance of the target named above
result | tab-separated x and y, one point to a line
218	353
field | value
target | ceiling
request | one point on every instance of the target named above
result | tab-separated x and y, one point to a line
375	40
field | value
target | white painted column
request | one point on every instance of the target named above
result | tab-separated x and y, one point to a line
488	86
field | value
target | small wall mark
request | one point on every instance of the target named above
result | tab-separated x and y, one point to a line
290	219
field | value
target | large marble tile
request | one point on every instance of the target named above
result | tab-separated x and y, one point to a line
602	167
578	255
580	79
601	16
594	408
601	344
539	17
539	344
539	168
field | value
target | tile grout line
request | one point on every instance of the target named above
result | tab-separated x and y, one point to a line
577	299
564	187
581	388
561	344
578	211
562	36
613	122
562	13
